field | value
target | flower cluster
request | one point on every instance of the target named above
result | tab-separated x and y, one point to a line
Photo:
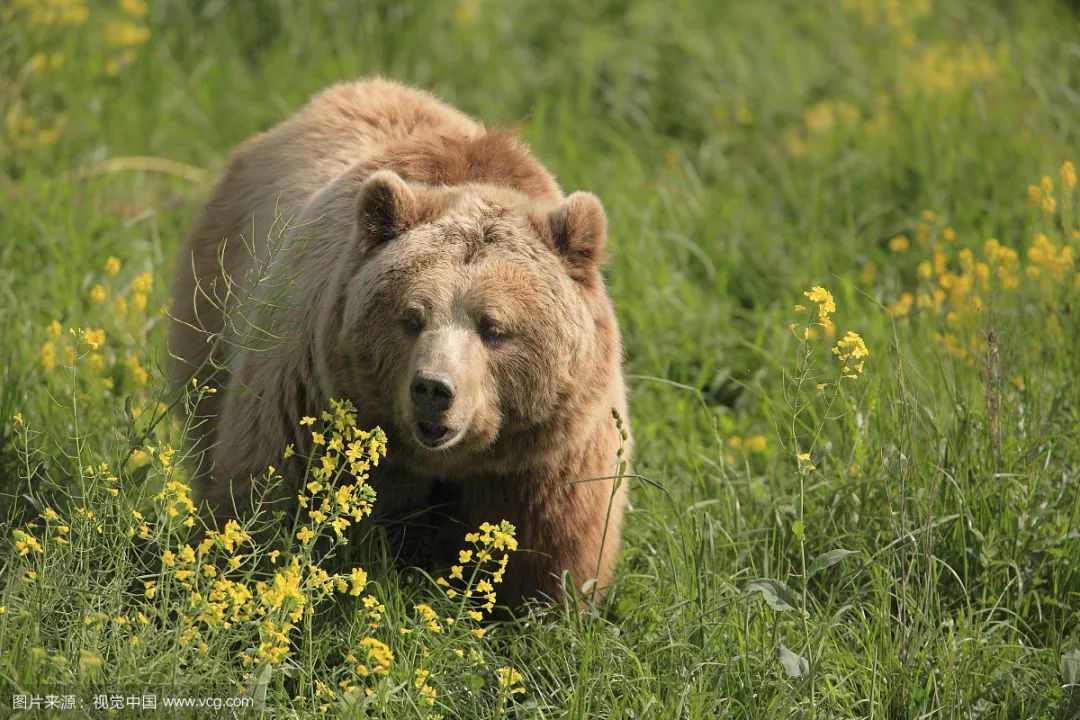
107	357
35	116
338	495
231	594
849	350
489	555
222	583
956	284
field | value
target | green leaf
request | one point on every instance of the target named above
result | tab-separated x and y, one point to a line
794	665
1070	667
799	529
775	593
827	560
262	682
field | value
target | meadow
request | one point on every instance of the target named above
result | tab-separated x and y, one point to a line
844	243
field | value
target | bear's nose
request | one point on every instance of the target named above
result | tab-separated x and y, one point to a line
432	392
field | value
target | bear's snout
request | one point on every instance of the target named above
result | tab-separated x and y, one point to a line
432	393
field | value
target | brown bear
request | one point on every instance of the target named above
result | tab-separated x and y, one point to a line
383	247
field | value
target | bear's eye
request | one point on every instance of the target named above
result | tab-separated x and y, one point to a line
490	332
413	322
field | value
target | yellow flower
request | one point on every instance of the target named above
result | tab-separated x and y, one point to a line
307	420
112	266
138	372
805	466
305	535
851	348
143	282
135	8
358	579
169	558
379	653
25	542
755	443
508	677
124	33
899	243
97	294
1068	175
824	301
94	338
902	306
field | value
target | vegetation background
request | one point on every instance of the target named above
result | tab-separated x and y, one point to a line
900	540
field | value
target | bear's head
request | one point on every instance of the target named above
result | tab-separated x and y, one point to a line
470	319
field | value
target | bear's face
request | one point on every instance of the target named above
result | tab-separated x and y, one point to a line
469	316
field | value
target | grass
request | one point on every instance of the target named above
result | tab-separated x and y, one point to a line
746	152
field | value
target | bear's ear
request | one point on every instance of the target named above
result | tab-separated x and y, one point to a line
386	207
578	232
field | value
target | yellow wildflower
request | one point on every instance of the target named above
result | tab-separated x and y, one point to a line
509	678
124	33
93	337
1068	175
25	542
379	653
850	350
135	8
824	301
358	579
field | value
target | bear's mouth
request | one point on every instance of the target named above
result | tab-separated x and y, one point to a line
433	435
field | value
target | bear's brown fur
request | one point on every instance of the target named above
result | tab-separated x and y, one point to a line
383	247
